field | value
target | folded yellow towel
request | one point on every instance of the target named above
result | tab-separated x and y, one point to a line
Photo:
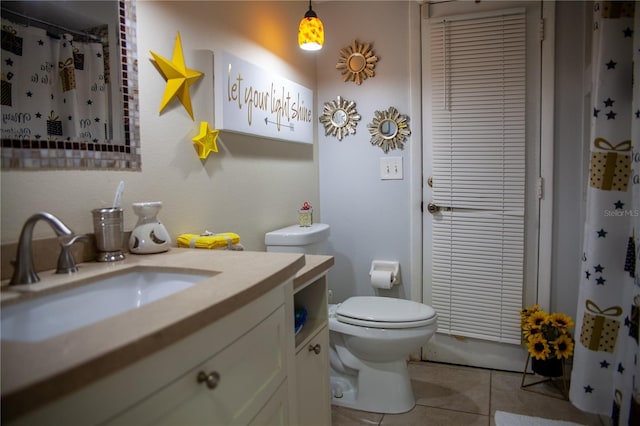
213	241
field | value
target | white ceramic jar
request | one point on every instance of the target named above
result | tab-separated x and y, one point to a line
149	235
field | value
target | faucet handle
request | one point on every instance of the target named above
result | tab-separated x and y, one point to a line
66	261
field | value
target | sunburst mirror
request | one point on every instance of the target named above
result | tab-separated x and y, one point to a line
339	118
389	129
357	62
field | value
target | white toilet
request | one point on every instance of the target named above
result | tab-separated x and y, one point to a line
371	337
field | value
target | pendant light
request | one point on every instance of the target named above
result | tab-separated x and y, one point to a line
311	31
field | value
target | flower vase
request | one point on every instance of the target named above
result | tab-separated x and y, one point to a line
149	235
550	367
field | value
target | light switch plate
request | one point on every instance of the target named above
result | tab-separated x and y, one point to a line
390	168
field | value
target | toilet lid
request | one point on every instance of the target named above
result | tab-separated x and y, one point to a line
384	312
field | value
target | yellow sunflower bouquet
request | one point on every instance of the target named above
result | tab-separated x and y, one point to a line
546	335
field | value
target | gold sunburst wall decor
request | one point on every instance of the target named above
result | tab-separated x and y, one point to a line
389	129
357	62
339	118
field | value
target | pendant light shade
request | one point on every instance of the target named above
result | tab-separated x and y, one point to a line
311	31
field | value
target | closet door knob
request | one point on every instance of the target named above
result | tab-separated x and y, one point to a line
212	379
315	348
433	208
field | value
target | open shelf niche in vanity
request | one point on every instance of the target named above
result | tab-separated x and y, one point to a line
313	297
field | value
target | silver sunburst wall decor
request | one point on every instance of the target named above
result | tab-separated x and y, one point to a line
339	118
389	129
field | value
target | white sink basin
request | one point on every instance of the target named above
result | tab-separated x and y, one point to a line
57	313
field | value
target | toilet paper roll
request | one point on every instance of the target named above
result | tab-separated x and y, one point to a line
381	279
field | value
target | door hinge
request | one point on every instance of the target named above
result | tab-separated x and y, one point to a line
539	187
541	29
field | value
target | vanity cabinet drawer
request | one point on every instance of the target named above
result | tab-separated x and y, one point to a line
230	388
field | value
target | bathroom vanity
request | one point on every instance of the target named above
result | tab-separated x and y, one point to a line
220	352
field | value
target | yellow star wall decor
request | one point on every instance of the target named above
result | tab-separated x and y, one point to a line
205	142
179	78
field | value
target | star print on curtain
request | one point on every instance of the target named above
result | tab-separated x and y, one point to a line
606	372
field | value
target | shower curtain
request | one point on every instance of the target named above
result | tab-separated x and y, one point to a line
606	371
53	88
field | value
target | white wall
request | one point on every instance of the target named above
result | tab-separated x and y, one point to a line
369	218
570	168
250	186
253	185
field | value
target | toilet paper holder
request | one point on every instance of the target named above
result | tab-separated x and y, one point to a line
386	265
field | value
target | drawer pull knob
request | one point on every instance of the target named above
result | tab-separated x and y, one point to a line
315	348
212	379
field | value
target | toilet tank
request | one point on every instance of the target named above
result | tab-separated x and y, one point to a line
298	239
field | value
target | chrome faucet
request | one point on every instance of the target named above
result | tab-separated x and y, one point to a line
24	272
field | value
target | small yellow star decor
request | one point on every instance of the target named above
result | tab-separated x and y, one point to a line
205	142
179	78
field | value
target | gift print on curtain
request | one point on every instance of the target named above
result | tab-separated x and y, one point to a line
610	169
605	378
53	88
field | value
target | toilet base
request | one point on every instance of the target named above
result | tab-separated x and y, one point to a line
377	388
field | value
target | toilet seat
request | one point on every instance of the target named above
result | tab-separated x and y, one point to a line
384	312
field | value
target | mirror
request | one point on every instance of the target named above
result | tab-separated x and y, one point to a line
389	129
357	62
339	118
75	105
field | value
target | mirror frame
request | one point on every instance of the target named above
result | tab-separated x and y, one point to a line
397	139
331	127
361	51
19	154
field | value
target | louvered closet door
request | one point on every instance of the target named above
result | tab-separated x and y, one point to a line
477	131
478	137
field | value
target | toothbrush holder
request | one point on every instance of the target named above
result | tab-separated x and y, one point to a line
109	231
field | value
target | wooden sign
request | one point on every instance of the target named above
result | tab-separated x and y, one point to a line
250	100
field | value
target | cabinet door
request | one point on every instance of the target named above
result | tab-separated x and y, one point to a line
312	381
276	411
249	372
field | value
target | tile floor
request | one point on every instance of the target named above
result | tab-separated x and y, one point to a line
450	395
